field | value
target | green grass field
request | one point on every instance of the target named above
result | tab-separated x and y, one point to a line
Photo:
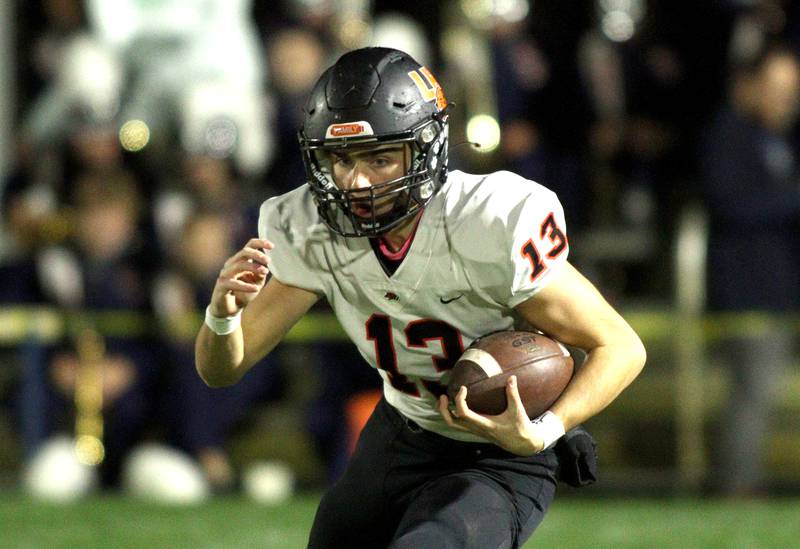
115	522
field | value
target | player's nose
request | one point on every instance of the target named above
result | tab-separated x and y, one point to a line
361	179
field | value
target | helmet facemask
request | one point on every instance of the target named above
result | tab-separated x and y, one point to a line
354	212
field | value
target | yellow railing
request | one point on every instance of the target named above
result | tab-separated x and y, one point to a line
48	325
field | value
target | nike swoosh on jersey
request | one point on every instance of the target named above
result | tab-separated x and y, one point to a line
446	301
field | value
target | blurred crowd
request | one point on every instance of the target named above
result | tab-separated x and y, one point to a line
148	134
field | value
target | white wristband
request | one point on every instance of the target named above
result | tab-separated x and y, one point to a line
549	428
224	325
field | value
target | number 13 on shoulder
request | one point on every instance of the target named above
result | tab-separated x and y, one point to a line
548	229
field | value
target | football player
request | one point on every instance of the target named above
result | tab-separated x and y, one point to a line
417	262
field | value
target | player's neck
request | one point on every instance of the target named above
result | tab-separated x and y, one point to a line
396	238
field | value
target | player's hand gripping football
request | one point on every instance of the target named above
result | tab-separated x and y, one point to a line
510	430
241	278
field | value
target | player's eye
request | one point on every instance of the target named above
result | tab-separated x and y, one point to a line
385	161
342	160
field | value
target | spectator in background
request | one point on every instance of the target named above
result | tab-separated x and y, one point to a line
751	178
536	75
69	130
202	182
194	65
68	137
45	26
21	221
21	212
296	55
201	420
86	88
102	268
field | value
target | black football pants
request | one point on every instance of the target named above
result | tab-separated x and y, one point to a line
406	487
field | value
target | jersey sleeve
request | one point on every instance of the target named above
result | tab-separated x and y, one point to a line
509	234
291	260
539	247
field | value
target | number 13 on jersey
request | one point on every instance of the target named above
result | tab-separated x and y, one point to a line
548	229
419	333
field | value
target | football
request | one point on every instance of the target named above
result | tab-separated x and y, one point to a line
542	365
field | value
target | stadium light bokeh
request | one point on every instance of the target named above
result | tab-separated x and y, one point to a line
485	131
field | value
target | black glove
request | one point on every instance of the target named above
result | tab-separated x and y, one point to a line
577	458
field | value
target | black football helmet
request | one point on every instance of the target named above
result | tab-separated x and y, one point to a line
371	97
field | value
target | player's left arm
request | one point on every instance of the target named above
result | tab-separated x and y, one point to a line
570	309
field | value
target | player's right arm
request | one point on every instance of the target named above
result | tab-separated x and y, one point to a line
269	310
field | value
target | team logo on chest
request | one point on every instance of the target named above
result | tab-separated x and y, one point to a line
445	300
391	296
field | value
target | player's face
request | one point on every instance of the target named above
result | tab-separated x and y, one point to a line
357	170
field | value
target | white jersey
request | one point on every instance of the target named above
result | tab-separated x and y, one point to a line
484	244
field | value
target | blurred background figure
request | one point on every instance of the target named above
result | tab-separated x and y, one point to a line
87	85
191	67
102	269
751	177
535	74
201	420
200	181
296	56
